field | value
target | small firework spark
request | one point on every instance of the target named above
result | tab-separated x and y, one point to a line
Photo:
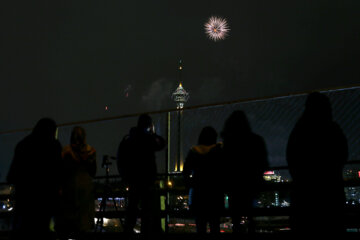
216	28
127	90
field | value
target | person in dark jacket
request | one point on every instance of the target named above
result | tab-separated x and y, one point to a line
245	160
141	171
316	153
35	172
201	169
78	199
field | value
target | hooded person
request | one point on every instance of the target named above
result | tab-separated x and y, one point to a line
201	172
316	153
35	172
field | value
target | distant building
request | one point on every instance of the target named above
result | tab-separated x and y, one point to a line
180	96
272	176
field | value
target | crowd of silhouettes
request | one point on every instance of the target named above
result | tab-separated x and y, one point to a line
63	177
241	159
52	184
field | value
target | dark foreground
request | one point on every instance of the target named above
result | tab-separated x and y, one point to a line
190	236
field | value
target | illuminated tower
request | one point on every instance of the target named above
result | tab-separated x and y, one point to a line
180	96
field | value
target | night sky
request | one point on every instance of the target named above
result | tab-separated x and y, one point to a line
72	59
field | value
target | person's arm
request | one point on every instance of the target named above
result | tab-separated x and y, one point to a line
292	153
88	160
188	169
342	146
91	163
158	142
14	167
59	170
263	155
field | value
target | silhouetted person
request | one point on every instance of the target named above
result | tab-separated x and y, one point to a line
136	162
245	160
201	173
35	172
78	200
316	153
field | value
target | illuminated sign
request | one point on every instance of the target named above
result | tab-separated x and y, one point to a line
272	173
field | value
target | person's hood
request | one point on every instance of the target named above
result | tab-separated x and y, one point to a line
203	149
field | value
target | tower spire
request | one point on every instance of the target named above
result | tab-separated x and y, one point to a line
180	71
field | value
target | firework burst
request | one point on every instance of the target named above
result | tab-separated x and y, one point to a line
216	28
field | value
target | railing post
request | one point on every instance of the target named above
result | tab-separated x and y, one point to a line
167	166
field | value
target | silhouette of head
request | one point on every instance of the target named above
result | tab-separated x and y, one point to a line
236	124
144	121
208	136
78	136
318	107
45	128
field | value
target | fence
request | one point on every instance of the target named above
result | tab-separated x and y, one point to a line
273	118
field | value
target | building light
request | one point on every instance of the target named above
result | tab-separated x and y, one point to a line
179	224
267	178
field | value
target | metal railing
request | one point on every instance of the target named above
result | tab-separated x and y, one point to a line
166	190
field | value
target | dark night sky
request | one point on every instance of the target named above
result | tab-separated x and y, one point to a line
68	61
71	59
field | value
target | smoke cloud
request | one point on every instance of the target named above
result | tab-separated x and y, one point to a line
159	95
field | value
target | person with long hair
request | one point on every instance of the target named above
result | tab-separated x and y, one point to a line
201	172
245	160
78	210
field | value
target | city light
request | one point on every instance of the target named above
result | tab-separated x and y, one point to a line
179	224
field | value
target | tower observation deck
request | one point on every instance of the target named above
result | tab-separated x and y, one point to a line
180	95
